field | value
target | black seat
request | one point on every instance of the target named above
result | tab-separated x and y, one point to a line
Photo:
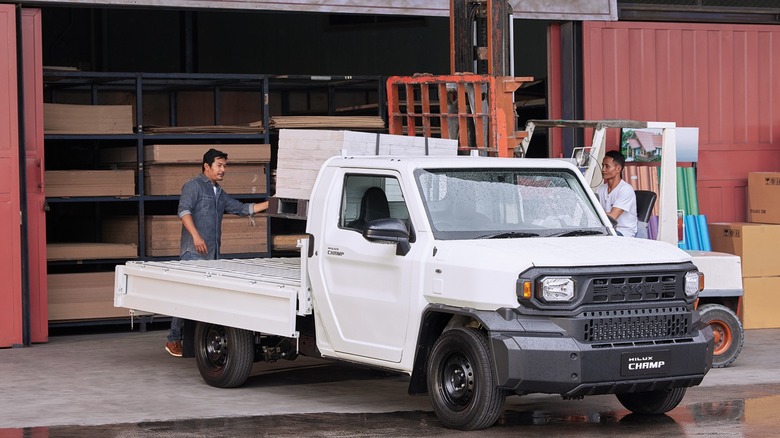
373	206
645	200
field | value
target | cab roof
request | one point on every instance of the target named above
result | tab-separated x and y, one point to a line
409	163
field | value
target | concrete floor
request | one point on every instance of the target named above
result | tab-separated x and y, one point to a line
105	379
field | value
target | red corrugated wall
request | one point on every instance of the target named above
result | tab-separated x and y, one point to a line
10	253
32	59
723	79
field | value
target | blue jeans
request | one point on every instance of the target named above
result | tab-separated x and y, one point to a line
177	324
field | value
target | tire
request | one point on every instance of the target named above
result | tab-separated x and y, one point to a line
729	335
224	354
652	402
461	382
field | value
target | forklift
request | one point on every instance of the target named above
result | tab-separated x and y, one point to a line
475	102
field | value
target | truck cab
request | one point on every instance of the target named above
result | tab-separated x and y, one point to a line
519	256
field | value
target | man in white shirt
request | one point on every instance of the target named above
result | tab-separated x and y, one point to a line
617	196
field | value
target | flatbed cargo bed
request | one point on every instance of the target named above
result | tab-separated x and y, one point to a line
261	294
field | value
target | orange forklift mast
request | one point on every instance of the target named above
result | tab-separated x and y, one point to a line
475	103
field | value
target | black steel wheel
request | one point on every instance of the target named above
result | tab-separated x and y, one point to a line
652	402
461	383
728	333
224	354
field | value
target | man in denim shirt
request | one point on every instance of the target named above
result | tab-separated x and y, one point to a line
201	205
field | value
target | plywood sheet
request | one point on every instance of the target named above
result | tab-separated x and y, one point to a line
64	183
87	119
81	296
90	251
168	179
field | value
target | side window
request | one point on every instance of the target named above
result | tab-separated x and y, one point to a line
369	197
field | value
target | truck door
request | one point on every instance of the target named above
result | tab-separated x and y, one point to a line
367	285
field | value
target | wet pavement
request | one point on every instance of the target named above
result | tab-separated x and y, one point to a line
125	385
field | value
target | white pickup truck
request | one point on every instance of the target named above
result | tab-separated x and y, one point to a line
479	277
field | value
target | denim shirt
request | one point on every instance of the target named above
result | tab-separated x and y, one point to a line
199	200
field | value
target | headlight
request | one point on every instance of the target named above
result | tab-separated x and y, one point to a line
694	283
557	289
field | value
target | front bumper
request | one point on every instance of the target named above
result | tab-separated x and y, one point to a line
551	364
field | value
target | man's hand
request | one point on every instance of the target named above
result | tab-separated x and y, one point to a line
200	244
189	225
260	206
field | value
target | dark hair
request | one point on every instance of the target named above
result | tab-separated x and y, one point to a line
618	158
211	155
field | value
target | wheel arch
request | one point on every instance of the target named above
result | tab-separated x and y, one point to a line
732	302
436	320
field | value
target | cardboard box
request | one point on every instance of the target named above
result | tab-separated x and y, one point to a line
68	183
761	303
82	296
764	197
163	234
756	244
87	119
187	153
168	179
90	251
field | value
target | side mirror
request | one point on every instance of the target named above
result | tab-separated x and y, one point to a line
389	230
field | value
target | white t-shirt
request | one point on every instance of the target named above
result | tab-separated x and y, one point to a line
624	198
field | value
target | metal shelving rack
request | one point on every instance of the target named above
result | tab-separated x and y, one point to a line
136	86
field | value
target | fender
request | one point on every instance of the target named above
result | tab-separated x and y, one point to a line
436	318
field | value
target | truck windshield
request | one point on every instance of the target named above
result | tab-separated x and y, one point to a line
506	203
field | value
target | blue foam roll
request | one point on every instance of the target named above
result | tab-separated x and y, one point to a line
704	234
691	235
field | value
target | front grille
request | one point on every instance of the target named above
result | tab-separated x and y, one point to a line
617	289
635	325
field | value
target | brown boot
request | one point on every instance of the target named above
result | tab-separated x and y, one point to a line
174	348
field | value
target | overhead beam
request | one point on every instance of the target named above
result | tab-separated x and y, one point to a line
602	10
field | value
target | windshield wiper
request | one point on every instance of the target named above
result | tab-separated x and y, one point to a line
508	234
578	233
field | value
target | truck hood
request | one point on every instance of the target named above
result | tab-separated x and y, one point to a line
565	251
482	274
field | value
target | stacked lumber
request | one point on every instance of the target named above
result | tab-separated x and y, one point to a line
167	179
351	122
186	153
302	153
90	251
87	119
65	183
82	296
168	167
240	235
251	128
